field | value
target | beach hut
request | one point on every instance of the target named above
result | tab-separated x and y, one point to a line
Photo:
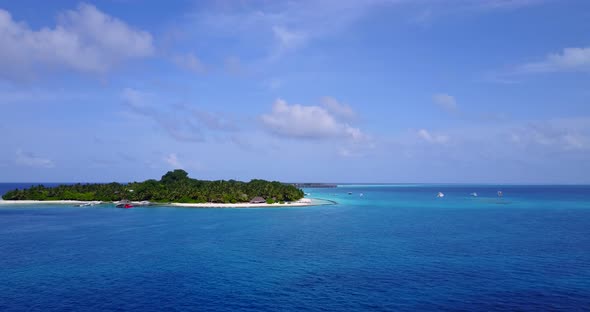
258	200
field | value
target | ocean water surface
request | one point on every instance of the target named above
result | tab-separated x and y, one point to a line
395	248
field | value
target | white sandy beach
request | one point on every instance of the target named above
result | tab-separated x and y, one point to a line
32	202
300	203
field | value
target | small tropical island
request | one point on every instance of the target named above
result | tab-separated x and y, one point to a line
175	188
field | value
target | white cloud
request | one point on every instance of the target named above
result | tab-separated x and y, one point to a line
570	59
135	99
30	160
432	138
214	121
348	153
172	161
355	133
301	121
504	4
565	135
312	122
85	40
445	102
180	126
190	62
356	150
181	122
339	109
287	39
285	26
432	9
568	135
40	95
280	27
273	83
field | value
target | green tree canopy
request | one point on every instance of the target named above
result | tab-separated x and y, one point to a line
174	176
175	186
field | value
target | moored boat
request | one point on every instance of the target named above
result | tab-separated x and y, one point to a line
124	204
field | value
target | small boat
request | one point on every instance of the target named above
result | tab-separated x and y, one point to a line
124	204
474	194
500	194
349	193
84	205
361	194
440	195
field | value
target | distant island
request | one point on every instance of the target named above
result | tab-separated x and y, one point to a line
174	187
315	185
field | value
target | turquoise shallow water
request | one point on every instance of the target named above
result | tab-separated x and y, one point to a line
394	248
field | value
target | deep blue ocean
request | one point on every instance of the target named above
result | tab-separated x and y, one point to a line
396	248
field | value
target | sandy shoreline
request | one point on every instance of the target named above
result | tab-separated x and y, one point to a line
300	203
32	202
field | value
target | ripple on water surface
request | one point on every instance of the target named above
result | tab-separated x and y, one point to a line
392	249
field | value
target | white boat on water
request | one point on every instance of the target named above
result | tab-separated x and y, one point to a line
500	194
361	194
440	195
474	194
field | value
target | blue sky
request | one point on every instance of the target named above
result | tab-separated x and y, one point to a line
426	91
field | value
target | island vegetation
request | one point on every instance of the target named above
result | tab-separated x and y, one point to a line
174	187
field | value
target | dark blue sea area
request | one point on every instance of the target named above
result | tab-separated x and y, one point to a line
393	248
